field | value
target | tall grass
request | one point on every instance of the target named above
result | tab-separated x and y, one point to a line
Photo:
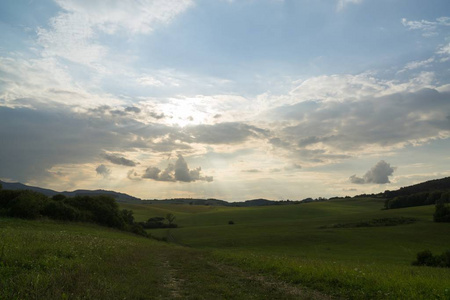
348	280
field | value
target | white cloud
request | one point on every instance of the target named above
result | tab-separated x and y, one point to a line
176	172
418	64
338	87
33	82
72	34
378	174
342	3
428	28
444	51
135	16
346	87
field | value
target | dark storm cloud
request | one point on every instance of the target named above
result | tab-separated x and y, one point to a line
34	140
378	174
119	160
176	172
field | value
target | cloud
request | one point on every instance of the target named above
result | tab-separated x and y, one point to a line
31	146
342	3
378	174
252	171
354	125
293	167
418	64
133	175
428	28
223	133
119	160
135	16
153	173
73	34
176	172
133	109
103	170
30	83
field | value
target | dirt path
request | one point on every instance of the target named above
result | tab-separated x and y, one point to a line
190	274
282	287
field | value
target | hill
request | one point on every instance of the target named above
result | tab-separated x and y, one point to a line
119	197
427	186
348	248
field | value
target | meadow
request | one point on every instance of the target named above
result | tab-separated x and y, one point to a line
304	251
299	244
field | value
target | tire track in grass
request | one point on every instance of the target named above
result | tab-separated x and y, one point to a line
192	274
290	290
172	283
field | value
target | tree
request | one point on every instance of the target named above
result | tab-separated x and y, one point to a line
170	218
442	212
127	216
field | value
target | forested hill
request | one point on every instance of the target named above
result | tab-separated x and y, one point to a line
119	197
427	186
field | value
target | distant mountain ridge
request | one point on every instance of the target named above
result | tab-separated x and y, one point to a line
125	198
427	186
119	197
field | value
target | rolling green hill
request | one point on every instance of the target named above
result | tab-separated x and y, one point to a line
299	244
342	248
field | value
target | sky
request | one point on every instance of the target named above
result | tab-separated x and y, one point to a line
226	99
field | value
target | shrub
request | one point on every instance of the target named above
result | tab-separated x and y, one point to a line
102	210
6	196
59	197
27	205
127	216
230	222
60	211
442	212
426	258
138	229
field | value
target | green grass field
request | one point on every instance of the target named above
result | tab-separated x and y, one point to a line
288	241
274	252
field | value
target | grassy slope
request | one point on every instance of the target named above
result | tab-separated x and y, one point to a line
51	260
270	253
287	241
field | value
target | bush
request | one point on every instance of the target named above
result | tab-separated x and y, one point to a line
59	197
61	211
102	210
127	216
138	229
442	212
230	222
426	258
6	196
28	205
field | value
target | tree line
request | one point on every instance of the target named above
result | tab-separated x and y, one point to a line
441	200
99	209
